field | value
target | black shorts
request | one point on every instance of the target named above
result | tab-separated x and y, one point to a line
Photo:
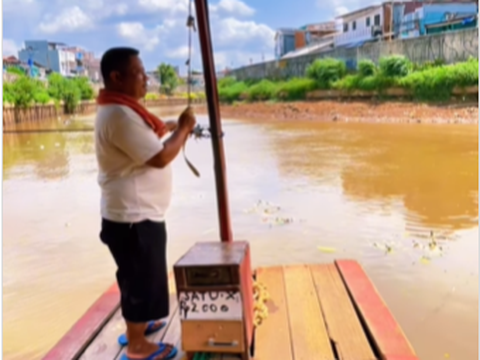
139	250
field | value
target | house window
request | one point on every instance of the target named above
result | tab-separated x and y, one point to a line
354	25
376	20
345	27
367	22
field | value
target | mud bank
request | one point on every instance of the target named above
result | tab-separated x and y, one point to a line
367	111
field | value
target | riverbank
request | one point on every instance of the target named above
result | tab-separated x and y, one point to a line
354	111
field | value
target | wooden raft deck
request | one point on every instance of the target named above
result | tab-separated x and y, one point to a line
316	312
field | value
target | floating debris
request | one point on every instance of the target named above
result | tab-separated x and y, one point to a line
425	260
386	247
263	207
325	249
268	212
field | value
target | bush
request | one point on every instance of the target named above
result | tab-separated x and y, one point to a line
16	71
225	82
366	68
326	71
428	65
437	83
264	90
395	66
295	89
434	82
232	93
375	83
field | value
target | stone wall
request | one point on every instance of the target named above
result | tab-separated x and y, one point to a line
451	47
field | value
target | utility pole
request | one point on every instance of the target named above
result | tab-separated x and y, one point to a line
391	20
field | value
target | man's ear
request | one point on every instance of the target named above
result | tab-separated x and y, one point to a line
115	77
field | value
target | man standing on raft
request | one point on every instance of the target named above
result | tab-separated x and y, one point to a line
135	178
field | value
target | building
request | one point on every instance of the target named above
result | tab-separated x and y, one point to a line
85	63
316	33
452	25
304	40
397	19
367	24
35	70
423	18
50	55
284	41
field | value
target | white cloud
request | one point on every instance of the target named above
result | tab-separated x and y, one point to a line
136	33
232	7
69	20
233	31
171	6
10	48
340	10
180	53
155	27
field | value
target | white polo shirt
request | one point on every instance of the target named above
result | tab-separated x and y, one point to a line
131	191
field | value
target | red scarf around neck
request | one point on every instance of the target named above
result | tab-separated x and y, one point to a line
106	97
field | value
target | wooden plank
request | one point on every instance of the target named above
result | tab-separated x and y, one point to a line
84	330
388	337
272	337
105	345
343	324
173	335
310	339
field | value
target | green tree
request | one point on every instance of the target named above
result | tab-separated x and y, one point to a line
168	78
66	90
86	90
23	91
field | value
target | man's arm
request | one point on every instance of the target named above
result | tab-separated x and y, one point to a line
142	145
170	150
171	125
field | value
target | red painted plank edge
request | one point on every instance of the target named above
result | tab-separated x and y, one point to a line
74	342
389	338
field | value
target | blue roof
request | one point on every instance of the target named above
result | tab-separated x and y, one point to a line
355	44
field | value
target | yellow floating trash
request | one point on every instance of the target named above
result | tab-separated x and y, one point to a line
326	249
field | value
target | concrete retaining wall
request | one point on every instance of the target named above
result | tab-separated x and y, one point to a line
451	47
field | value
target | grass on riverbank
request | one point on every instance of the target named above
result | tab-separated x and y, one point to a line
432	81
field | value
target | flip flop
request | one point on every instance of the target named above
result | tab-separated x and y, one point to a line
172	354
122	339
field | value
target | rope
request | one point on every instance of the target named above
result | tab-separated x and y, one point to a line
191	28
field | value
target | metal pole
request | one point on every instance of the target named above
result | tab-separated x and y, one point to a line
211	92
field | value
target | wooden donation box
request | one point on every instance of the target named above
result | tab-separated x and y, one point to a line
215	296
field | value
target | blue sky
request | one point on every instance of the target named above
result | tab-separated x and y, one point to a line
241	30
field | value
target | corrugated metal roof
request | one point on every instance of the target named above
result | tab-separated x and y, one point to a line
308	50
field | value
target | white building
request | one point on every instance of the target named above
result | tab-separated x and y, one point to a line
66	59
362	25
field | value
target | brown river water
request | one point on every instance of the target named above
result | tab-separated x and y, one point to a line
372	192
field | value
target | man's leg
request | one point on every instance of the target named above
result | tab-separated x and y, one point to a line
140	253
